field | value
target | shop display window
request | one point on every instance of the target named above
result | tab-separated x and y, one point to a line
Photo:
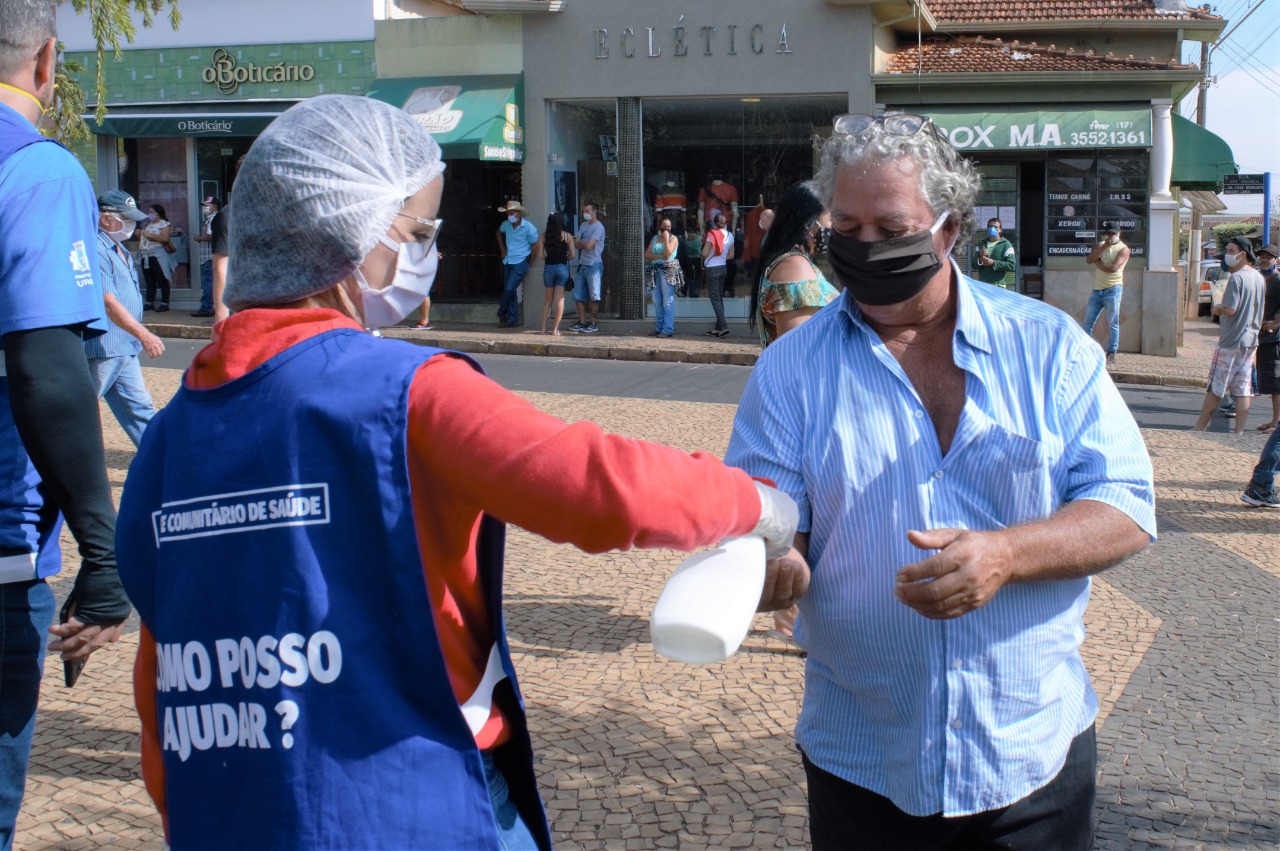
1084	190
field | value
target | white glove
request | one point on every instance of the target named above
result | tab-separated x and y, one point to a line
779	516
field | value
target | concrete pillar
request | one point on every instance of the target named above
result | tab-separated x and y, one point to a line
1160	313
1163	222
629	229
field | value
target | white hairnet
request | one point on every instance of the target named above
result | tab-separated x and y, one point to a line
315	192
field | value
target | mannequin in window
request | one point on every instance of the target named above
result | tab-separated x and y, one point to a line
671	200
718	198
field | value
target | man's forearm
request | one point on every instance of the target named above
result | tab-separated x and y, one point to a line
55	407
1080	539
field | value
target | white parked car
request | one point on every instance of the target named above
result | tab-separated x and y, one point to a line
1213	282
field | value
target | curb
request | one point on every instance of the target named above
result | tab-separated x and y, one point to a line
1153	380
605	350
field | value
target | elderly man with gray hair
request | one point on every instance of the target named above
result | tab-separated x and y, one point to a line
963	465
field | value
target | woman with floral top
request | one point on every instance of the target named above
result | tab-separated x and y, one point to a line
790	290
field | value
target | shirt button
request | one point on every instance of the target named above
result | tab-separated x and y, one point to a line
919	415
957	664
957	724
937	474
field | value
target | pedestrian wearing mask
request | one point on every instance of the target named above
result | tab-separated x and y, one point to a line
516	237
790	291
1268	358
1231	370
113	357
1108	259
717	251
994	256
663	277
208	212
350	537
554	246
954	503
156	249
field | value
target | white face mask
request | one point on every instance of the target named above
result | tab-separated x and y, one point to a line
416	264
588	216
512	218
120	234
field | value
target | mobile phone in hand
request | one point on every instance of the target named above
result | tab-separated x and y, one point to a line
70	670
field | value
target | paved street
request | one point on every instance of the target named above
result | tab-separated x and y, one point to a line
638	752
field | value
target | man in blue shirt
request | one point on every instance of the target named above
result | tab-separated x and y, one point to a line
589	240
516	237
113	357
52	464
963	465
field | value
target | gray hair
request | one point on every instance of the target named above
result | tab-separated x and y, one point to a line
947	180
24	26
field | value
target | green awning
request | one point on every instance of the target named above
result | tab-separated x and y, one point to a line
473	117
213	120
1200	158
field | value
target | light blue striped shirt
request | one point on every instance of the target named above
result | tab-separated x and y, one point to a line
974	713
120	279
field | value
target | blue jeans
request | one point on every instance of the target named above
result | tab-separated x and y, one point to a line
1264	475
715	287
120	383
512	275
664	302
206	285
513	833
27	609
1109	299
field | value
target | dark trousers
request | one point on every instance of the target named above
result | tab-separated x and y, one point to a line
154	273
714	277
1055	817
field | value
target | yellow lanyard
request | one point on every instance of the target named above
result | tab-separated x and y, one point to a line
24	94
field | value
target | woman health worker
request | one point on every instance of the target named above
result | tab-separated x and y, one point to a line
324	662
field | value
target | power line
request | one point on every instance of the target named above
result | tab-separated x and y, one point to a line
1271	84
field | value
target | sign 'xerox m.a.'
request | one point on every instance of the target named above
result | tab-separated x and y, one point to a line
1043	129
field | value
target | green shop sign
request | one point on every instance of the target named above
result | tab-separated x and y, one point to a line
1042	129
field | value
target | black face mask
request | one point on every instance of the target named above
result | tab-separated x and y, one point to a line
888	271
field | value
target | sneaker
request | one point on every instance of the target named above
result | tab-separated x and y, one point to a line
1111	358
162	308
577	327
202	313
421	326
590	328
148	306
1251	496
1231	414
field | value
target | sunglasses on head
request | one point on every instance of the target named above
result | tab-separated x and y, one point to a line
896	124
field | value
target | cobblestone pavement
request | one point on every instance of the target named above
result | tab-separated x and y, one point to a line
637	752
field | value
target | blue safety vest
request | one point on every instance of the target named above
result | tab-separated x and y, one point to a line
266	537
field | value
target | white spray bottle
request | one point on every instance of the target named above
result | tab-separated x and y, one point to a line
708	604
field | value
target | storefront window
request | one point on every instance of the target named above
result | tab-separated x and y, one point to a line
216	161
733	156
1086	189
155	172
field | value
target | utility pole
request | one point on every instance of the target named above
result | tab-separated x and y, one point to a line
1193	244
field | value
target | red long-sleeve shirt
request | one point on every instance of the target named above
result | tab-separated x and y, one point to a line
475	448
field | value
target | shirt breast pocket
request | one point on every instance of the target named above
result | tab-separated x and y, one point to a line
1004	479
